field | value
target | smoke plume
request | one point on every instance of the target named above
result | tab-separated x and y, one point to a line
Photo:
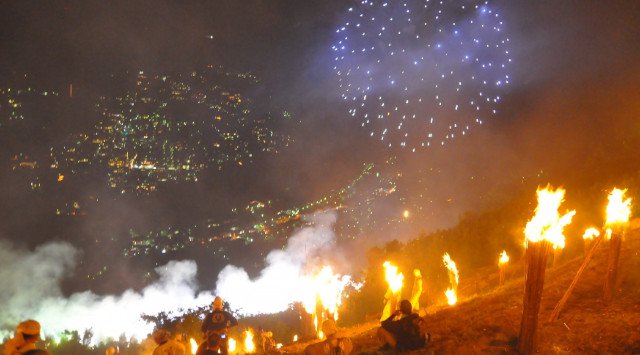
31	289
287	275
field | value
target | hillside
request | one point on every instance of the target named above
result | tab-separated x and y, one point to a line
487	319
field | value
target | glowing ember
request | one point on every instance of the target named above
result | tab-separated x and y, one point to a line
231	345
193	345
249	346
451	292
279	345
393	277
618	209
504	258
405	214
547	224
590	233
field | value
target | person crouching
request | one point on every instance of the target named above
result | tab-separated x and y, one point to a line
403	330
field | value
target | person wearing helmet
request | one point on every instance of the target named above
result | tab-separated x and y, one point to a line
27	334
216	326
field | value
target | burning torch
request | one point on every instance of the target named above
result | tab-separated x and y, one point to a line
392	296
451	292
618	212
502	265
542	232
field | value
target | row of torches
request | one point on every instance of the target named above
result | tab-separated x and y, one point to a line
545	226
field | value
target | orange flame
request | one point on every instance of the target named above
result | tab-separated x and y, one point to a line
504	258
193	345
618	209
452	297
451	292
590	233
231	345
295	338
393	277
325	295
547	224
249	346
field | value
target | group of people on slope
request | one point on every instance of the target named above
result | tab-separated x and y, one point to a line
404	330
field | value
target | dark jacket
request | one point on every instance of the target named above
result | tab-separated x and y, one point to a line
218	320
406	331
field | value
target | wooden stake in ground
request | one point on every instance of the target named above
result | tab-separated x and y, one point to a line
615	244
543	231
565	297
537	254
618	213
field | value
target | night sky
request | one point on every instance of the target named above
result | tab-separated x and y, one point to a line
571	108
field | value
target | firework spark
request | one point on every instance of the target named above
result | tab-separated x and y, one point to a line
417	73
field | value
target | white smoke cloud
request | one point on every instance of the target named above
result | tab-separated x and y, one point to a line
286	278
30	289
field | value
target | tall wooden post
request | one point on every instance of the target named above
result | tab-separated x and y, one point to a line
502	267
612	265
536	257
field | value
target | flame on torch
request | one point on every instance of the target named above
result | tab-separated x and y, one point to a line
231	345
504	258
502	265
324	296
393	277
547	224
295	338
618	209
193	344
392	296
451	292
249	346
590	233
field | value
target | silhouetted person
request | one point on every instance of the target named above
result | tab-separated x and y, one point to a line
403	330
215	328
